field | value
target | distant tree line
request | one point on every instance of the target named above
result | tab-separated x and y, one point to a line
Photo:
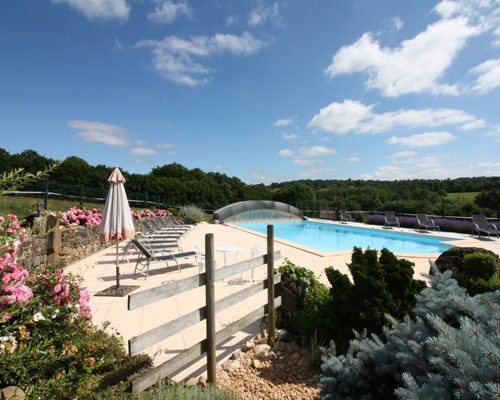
178	185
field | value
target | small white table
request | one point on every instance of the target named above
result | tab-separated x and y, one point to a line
228	249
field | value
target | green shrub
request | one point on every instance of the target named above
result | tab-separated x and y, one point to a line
380	285
172	390
475	269
174	211
191	214
480	266
453	259
448	350
304	300
53	351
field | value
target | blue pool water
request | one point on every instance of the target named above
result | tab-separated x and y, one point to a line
333	237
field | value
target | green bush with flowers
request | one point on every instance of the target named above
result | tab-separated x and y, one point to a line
48	345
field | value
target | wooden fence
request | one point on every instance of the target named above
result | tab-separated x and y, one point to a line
207	279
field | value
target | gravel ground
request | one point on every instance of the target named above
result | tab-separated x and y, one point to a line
276	379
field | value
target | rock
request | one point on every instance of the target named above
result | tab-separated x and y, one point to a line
302	362
288	337
295	356
236	355
291	348
262	341
202	381
271	356
248	346
231	365
12	393
256	364
261	348
191	382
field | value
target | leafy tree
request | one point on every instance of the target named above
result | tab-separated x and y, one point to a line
489	199
298	194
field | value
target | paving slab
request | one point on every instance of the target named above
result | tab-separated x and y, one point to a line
98	273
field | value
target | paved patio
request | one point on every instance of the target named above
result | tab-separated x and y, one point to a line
98	272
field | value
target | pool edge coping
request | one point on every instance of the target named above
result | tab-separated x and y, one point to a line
456	242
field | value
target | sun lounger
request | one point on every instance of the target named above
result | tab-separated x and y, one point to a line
345	216
391	219
481	225
146	256
151	231
159	228
424	223
161	245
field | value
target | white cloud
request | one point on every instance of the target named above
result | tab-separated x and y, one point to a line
312	172
341	117
286	153
489	76
406	69
354	116
263	13
483	14
304	162
397	23
118	44
489	164
317	151
140	161
174	58
283	122
479	123
290	136
168	11
231	20
167	146
100	132
262	177
99	9
424	167
354	159
404	154
427	139
143	152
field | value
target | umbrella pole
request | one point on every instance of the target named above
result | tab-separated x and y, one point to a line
117	266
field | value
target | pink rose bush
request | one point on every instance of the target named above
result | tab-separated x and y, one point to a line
88	218
46	332
13	276
147	213
77	217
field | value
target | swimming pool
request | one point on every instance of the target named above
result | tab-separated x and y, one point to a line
334	237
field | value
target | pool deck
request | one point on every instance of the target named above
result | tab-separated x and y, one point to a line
98	272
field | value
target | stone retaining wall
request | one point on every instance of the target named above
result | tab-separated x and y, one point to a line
65	245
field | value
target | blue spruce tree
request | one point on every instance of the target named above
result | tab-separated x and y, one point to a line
449	350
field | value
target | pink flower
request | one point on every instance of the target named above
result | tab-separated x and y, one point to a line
18	293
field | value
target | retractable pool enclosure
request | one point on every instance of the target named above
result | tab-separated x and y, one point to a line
257	210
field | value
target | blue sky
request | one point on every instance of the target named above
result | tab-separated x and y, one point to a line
263	90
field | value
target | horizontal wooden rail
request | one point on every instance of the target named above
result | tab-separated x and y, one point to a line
174	364
158	293
164	331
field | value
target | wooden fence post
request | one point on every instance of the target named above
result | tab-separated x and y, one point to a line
270	283
210	304
53	240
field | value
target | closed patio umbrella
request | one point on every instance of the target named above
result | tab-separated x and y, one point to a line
116	223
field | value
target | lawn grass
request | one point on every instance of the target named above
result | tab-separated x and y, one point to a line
24	205
462	198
